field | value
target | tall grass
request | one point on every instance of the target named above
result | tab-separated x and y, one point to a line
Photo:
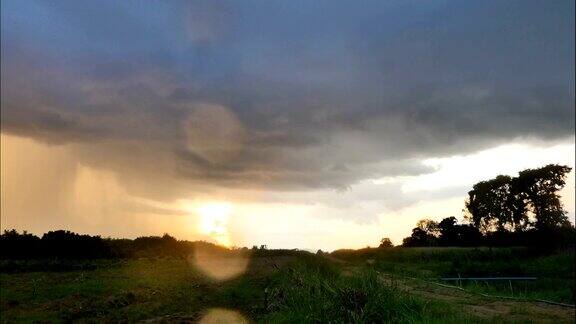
313	291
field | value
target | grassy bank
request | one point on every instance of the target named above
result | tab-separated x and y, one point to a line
555	272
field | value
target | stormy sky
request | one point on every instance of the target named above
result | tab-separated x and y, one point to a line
357	118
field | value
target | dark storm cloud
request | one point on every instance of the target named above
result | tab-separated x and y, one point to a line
319	93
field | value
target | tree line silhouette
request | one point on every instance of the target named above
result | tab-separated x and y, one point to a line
67	245
62	244
506	211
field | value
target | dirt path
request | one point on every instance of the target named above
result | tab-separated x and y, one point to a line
486	307
477	305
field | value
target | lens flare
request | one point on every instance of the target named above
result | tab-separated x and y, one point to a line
214	133
222	316
219	264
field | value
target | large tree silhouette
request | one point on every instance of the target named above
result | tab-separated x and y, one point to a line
504	211
493	205
539	189
511	204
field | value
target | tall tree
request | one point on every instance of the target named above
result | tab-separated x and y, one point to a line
494	205
425	233
454	234
506	204
429	227
539	188
386	243
448	231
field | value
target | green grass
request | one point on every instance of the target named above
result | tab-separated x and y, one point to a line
555	272
309	289
313	291
131	290
301	288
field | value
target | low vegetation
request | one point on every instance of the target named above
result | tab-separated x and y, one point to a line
280	287
555	271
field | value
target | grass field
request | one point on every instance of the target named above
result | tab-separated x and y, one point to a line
555	272
268	288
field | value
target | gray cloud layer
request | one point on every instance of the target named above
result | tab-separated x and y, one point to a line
283	95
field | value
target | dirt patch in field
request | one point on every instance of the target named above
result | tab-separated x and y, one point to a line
486	307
